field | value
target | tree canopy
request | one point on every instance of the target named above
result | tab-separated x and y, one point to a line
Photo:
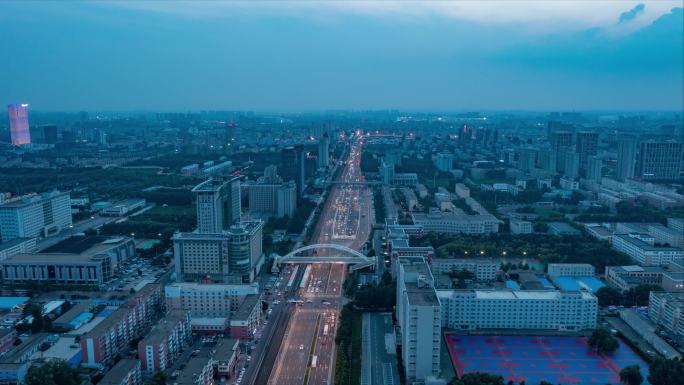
603	341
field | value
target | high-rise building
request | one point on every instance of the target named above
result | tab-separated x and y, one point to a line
419	319
35	215
560	139
571	162
546	160
660	160
292	166
323	151
387	173
232	256
444	161
527	158
218	204
50	135
19	125
594	168
626	158
273	199
586	145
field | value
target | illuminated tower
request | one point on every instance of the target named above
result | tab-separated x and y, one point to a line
19	127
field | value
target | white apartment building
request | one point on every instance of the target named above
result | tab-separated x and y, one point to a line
667	310
571	270
207	300
273	199
666	235
452	223
484	269
518	309
38	215
163	343
418	316
640	247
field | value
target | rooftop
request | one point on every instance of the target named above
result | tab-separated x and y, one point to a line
14	242
163	328
116	374
246	307
30	199
421	296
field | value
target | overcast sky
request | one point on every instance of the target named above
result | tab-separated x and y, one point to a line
315	55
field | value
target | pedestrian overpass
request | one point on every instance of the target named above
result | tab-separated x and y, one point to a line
349	256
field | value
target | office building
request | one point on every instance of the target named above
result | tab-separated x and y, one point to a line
483	269
571	163
163	343
666	235
418	319
667	311
444	161
561	139
626	158
660	160
323	151
676	224
232	256
36	215
218	204
19	124
292	166
453	223
641	248
518	309
387	173
586	145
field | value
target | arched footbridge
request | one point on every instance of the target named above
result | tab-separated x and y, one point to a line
349	256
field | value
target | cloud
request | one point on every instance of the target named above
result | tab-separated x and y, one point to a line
631	14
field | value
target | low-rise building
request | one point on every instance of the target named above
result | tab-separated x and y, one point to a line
627	277
518	309
563	229
641	248
225	358
199	370
667	311
13	373
123	208
518	226
451	223
17	246
571	269
483	269
207	300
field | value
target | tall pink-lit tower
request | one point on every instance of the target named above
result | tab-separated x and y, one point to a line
19	126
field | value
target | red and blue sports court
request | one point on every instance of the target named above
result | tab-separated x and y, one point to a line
555	359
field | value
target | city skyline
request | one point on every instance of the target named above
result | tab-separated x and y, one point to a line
295	56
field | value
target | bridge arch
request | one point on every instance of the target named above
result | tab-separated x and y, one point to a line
355	257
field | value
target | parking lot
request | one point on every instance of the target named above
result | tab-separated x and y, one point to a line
133	274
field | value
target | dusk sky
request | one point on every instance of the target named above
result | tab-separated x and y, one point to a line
302	56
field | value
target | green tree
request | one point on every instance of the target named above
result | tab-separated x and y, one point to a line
52	373
603	341
638	296
631	375
477	378
609	296
666	372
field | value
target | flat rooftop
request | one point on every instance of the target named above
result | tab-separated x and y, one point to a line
421	296
246	307
116	374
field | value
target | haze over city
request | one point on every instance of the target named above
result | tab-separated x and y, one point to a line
342	193
294	56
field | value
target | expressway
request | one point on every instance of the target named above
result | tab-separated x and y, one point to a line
307	353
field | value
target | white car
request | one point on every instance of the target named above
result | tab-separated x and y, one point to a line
301	347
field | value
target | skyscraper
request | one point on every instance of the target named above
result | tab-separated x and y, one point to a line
292	166
218	204
660	160
19	126
594	168
586	145
626	158
323	151
527	158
